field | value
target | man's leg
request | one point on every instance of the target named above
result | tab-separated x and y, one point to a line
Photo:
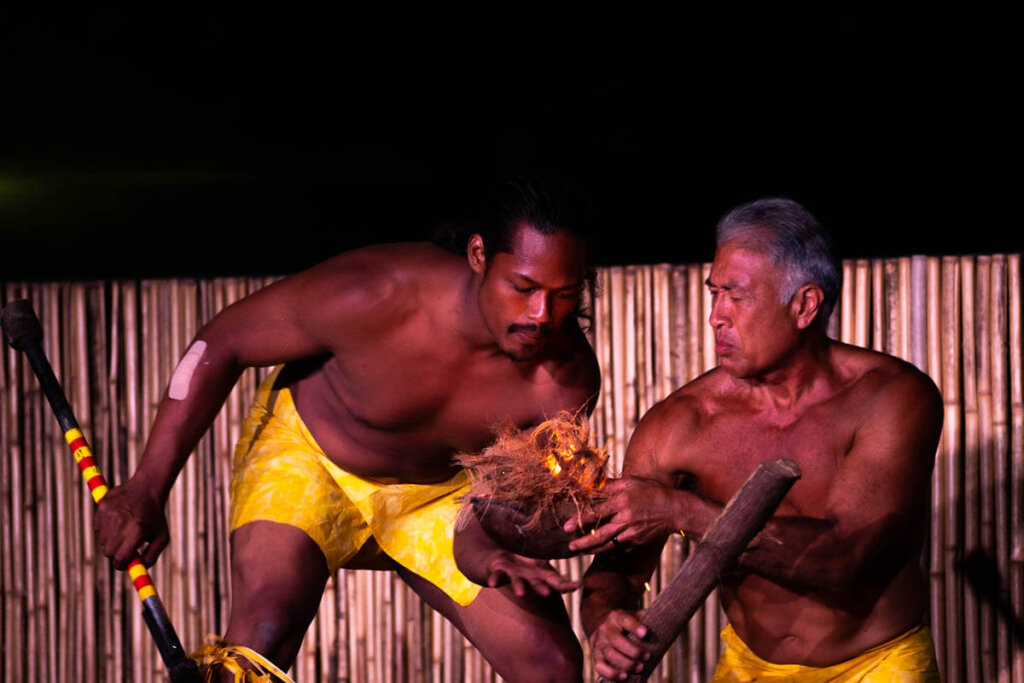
524	638
278	575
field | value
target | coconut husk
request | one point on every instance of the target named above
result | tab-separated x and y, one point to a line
541	475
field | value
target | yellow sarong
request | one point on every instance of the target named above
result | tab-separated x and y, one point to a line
908	658
280	474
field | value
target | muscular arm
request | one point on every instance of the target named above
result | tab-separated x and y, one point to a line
285	321
643	507
485	563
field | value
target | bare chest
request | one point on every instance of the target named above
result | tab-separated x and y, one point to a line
732	446
430	401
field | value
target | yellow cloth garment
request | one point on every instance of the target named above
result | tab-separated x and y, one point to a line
908	658
280	474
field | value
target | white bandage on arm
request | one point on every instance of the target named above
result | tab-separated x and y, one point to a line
182	377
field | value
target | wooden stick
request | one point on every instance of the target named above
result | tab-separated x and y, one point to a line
741	519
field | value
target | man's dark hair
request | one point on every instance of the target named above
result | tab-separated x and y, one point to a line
797	244
549	206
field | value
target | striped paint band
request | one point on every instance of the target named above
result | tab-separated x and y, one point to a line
140	577
83	456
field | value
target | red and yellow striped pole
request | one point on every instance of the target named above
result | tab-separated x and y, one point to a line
25	334
98	488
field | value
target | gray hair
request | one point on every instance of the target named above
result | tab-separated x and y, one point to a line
798	246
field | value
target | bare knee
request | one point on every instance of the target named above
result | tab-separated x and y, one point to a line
542	654
271	629
274	595
550	660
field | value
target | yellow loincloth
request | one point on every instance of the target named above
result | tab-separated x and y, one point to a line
280	474
908	658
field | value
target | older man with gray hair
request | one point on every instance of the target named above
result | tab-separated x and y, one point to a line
832	588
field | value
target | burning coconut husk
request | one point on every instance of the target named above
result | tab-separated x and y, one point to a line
526	484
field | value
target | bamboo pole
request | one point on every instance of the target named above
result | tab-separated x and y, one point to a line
631	359
877	306
7	428
986	470
950	450
25	531
694	313
43	434
971	469
905	270
663	340
94	343
647	297
114	446
15	581
846	304
937	564
997	324
918	307
46	535
619	388
603	349
1016	398
708	355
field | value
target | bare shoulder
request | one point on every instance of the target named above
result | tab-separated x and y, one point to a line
895	410
659	443
880	381
379	273
373	288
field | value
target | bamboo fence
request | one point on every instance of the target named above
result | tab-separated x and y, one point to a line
67	616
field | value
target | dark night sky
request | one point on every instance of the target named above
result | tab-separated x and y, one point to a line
212	144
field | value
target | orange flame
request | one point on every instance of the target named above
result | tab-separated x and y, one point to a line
551	462
567	452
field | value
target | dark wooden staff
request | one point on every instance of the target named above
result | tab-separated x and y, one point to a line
25	334
727	536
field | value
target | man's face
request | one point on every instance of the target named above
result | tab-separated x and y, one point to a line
754	330
527	294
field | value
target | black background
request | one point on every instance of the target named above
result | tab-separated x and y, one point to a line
195	142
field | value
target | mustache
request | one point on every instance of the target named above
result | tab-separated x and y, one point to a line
531	329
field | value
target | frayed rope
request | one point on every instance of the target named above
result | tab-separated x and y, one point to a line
215	653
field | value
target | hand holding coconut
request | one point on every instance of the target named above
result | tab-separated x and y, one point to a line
524	488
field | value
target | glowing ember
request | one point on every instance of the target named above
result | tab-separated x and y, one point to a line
551	462
530	474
